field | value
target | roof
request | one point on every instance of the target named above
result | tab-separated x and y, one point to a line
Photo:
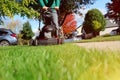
111	23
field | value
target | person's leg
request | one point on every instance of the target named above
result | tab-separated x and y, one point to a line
55	19
55	22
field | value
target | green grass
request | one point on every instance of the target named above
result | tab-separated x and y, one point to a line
59	62
102	38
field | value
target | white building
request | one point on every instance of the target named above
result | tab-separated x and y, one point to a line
110	26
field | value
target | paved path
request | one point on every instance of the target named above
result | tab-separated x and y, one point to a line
109	45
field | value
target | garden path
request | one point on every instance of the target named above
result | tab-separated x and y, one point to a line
108	45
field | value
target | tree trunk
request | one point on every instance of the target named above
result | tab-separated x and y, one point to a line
96	33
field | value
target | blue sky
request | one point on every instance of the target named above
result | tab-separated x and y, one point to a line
99	4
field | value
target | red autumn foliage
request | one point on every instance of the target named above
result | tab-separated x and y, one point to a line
69	24
114	10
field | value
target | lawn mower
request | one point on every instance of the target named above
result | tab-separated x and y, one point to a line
49	35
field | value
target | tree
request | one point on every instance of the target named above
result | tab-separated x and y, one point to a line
14	25
69	24
20	7
27	31
114	10
94	22
69	5
31	8
66	7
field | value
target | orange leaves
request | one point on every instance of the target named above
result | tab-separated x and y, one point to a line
69	24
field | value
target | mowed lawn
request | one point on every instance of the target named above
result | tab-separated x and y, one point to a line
101	39
58	62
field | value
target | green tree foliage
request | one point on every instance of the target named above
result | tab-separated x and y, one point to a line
11	7
27	31
96	25
94	21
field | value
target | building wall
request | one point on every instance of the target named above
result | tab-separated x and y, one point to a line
107	31
79	30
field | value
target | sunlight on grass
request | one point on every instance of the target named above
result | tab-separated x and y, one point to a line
101	38
58	62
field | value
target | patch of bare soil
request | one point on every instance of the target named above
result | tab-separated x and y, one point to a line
109	45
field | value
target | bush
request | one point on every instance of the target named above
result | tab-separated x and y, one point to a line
94	21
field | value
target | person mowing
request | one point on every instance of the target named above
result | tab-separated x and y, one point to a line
54	6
